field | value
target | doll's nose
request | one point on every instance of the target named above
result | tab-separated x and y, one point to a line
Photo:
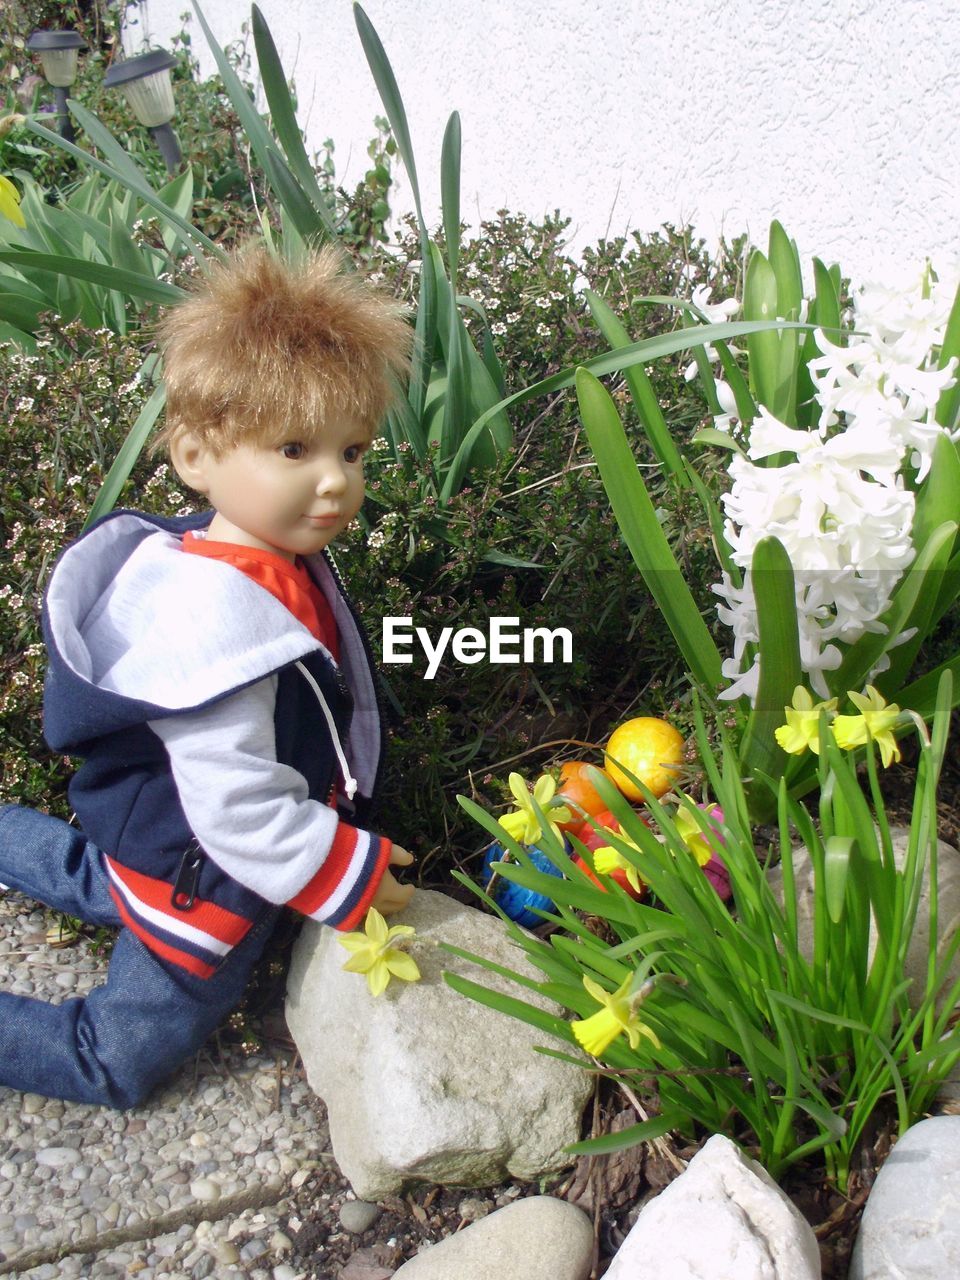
331	480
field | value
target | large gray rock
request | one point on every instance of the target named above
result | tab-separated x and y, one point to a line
948	908
539	1238
724	1218
420	1083
911	1224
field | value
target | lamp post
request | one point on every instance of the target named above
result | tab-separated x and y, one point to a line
148	88
58	52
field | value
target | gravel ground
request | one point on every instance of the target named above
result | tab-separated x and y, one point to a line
200	1181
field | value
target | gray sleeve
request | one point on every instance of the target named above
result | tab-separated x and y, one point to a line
251	814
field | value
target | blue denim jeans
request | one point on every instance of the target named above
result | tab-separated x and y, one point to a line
112	1046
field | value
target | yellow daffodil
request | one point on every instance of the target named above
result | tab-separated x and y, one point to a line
802	730
875	721
606	860
522	823
374	955
617	1016
688	829
10	202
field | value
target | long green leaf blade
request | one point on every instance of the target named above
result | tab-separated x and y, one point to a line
775	594
641	388
641	530
389	91
450	193
283	115
130	282
760	303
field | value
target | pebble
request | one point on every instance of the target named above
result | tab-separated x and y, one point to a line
69	1172
204	1189
57	1157
357	1215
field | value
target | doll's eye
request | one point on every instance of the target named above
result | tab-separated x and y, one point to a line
294	450
353	453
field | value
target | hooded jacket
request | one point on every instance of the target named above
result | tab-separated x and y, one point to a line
213	727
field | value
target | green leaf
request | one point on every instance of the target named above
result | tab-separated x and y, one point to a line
775	593
130	450
389	91
785	262
641	530
449	326
948	406
746	409
284	119
718	439
938	498
641	388
532	1014
309	222
450	193
655	1127
834	1126
129	282
763	348
25	341
836	866
19	310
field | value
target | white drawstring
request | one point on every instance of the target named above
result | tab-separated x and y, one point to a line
350	783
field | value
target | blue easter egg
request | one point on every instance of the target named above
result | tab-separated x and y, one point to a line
516	901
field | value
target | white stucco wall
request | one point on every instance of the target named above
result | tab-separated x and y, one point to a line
837	116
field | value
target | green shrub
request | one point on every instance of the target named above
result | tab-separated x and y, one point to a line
64	418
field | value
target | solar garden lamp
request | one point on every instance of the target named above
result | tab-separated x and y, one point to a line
148	88
58	51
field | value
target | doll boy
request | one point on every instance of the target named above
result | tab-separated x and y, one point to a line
213	676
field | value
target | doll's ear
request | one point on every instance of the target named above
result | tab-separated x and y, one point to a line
191	460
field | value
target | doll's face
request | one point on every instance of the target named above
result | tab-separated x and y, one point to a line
292	499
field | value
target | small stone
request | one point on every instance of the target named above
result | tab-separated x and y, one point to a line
253	1249
280	1243
224	1251
204	1189
472	1209
32	1103
357	1215
285	1272
57	1157
199	1139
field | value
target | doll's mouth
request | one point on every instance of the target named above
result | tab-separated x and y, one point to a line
324	521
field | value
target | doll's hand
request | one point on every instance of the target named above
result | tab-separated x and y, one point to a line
391	895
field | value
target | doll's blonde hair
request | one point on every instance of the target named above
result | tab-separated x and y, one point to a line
263	351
